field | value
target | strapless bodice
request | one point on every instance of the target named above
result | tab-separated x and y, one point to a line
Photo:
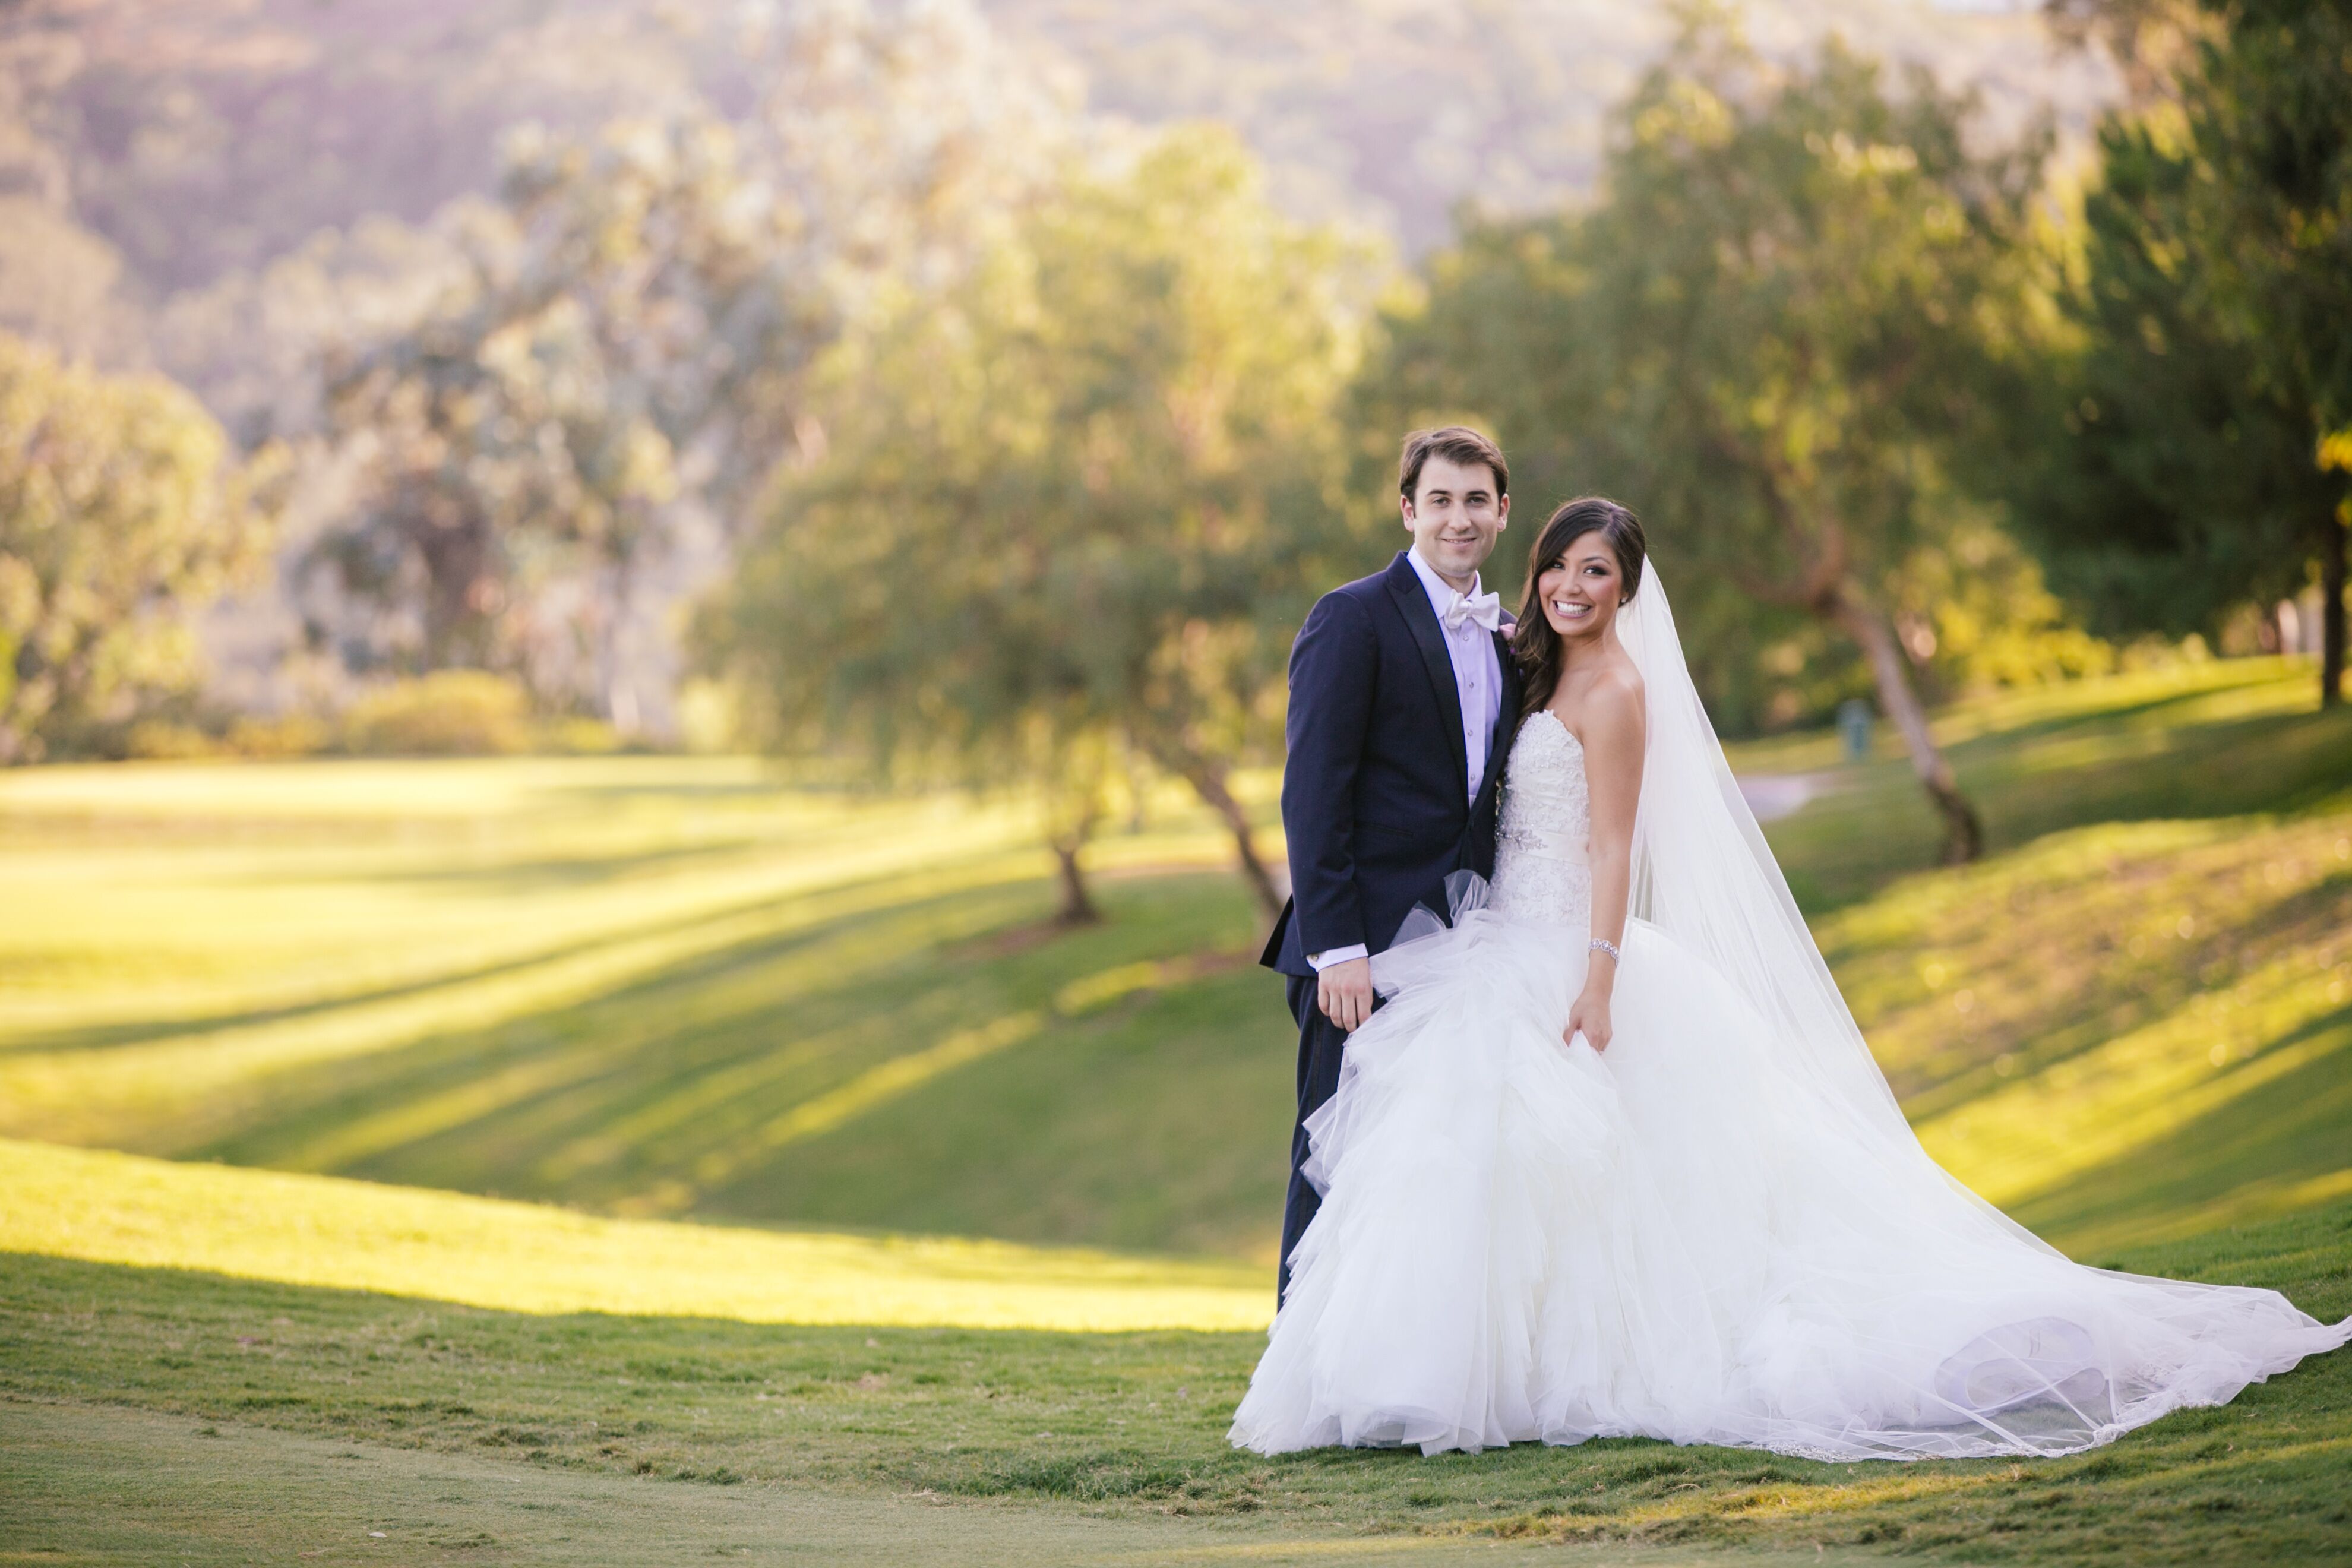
1543	865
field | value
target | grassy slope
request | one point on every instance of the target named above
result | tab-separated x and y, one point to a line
2125	1031
323	1230
2219	740
675	987
1133	1424
656	986
627	985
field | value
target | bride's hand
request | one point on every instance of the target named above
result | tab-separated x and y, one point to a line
1589	1017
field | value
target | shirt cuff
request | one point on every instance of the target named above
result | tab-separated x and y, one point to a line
1318	961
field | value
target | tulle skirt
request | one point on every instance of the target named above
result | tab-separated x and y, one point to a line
1522	1239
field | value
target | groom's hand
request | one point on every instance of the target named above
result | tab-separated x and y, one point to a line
1344	991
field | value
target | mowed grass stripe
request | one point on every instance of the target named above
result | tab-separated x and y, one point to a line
1133	1425
118	1208
861	1054
2227	739
2126	1032
139	920
105	1094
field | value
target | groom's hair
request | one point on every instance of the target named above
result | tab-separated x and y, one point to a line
1455	444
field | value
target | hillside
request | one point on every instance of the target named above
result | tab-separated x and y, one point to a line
1389	115
156	149
660	987
319	1231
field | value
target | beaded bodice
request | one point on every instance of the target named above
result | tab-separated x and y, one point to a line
1543	866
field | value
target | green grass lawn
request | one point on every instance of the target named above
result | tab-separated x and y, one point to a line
649	987
1132	1426
2227	739
83	1484
326	1230
654	989
672	986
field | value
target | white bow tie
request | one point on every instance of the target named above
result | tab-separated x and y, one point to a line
1486	609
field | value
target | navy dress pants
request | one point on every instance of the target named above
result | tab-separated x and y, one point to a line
1321	1044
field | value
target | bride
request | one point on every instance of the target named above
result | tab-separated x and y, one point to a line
1614	1160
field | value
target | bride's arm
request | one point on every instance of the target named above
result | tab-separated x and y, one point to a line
1612	771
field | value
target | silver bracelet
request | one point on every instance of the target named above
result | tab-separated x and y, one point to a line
1605	945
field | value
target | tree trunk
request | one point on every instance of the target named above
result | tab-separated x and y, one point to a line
1963	831
1210	785
1077	904
2331	616
1072	797
1208	780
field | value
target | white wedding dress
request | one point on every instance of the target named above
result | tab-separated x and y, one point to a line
1719	1231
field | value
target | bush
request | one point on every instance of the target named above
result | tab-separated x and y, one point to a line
578	736
163	740
449	713
282	735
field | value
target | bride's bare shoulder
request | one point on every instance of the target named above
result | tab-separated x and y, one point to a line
1617	696
1614	712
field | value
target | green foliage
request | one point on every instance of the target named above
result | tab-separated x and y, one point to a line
502	450
122	512
1794	298
563	444
449	713
1132	1426
1079	499
2188	466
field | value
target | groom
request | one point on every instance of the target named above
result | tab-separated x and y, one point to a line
1401	691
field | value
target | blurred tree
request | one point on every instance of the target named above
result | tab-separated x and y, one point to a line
628	350
2150	41
500	451
1075	503
1791	309
527	433
122	513
2201	442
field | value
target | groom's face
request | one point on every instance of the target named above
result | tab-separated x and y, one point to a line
1455	515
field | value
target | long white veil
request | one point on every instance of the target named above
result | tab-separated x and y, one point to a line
1722	1230
1703	873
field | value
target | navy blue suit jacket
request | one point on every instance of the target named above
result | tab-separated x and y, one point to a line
1374	798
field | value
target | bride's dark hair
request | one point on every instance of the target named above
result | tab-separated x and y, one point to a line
1534	644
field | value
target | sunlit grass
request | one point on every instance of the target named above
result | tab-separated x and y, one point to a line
2124	1032
317	1230
689	987
660	987
664	970
2223	739
1133	1424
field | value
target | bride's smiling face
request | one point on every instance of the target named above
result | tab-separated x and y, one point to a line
1581	592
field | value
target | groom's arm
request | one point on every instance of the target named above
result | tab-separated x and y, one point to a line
1332	666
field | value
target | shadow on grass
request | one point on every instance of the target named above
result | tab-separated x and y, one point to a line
687	1012
1850	842
2248	1154
1129	1122
104	1036
1137	1422
525	875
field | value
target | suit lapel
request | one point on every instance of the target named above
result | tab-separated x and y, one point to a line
1506	713
1413	602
